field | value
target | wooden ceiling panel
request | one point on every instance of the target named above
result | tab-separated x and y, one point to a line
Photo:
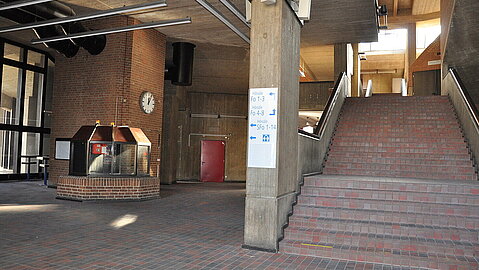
383	62
320	60
421	7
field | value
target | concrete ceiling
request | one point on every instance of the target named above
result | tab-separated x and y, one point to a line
332	21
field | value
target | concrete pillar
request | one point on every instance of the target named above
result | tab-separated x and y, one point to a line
343	61
356	78
410	55
274	63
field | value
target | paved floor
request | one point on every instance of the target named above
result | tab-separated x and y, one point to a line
193	226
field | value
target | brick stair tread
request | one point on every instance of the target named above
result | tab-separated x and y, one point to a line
392	195
432	162
409	183
390	173
364	133
447	156
376	240
412	145
405	139
445	169
387	228
429	123
388	205
401	217
379	149
356	253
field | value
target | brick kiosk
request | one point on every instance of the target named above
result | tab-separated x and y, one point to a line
109	163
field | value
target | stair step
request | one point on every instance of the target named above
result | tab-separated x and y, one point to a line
383	241
377	149
412	145
422	162
392	195
406	139
382	256
390	205
393	184
398	134
402	156
402	174
386	228
419	168
388	216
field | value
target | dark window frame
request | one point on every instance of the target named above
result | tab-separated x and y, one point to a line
21	128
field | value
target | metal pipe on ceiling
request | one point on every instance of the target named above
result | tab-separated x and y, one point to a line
231	7
19	4
94	15
114	30
223	19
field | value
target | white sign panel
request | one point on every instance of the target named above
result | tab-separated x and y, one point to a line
62	150
262	127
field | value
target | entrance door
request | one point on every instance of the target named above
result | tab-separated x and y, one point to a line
427	83
212	161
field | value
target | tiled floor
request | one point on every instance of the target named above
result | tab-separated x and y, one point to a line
193	226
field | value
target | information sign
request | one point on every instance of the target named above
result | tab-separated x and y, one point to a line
262	127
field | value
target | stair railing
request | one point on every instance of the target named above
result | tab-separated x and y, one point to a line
465	107
403	88
340	88
369	89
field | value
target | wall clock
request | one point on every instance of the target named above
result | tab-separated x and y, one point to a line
147	102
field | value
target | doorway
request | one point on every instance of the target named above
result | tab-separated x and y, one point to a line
427	83
212	168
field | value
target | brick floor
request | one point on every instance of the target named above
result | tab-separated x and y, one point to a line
193	226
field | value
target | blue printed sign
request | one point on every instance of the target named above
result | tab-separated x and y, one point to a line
262	127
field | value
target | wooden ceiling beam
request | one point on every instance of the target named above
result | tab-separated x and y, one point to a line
400	21
395	7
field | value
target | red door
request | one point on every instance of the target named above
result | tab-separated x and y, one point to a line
212	161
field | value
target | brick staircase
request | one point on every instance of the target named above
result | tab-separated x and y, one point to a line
398	187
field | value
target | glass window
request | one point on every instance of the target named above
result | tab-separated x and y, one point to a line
388	41
33	99
35	59
8	151
30	148
11	87
143	156
124	159
12	52
100	158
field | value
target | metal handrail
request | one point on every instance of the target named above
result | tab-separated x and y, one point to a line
465	96
403	88
329	106
369	89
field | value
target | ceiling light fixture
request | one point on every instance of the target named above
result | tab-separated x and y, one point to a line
235	11
113	30
94	15
19	4
223	19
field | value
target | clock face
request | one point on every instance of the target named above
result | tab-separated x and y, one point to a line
147	102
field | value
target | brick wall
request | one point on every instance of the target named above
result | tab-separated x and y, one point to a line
107	87
107	188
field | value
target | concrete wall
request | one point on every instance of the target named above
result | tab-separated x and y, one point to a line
382	83
107	87
220	87
471	130
461	49
314	95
